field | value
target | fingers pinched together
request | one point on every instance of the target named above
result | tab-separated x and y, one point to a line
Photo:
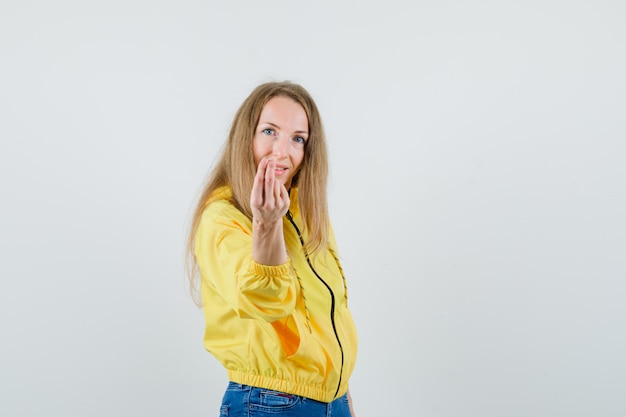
269	198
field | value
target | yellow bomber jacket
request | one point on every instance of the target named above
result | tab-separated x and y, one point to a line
286	327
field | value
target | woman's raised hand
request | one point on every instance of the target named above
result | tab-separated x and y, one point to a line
269	199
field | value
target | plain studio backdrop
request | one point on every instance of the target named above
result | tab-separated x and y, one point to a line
478	192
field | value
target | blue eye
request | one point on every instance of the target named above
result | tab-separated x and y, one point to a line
299	139
268	131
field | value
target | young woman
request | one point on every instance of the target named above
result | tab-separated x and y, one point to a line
262	248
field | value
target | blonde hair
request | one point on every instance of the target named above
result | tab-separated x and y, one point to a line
236	167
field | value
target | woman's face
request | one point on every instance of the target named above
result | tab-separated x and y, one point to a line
280	135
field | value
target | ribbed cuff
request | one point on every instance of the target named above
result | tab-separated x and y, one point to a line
269	270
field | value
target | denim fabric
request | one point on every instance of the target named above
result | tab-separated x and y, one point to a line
246	401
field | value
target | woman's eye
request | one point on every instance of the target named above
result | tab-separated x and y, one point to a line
299	139
268	131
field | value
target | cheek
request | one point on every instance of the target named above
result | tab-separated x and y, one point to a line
258	151
297	161
297	158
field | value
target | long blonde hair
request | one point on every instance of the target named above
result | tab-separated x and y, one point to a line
236	167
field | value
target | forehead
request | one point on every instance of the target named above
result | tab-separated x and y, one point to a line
285	112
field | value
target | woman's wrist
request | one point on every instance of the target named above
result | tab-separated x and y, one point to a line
268	243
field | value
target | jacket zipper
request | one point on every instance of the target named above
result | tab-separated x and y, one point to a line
332	297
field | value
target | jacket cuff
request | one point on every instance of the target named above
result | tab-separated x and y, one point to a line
269	270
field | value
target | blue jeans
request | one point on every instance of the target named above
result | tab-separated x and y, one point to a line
246	401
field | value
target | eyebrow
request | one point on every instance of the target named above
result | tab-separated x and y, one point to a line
278	127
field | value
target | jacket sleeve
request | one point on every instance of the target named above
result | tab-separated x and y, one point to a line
223	249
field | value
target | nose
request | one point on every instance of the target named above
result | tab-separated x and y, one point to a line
280	148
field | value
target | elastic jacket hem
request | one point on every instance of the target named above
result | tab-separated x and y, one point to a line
290	387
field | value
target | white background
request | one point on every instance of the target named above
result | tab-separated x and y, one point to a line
478	192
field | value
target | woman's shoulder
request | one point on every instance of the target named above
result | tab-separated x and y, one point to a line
221	209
